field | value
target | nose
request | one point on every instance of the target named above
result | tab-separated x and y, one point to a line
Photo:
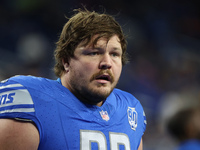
105	62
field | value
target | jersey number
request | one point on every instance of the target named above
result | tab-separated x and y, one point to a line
116	139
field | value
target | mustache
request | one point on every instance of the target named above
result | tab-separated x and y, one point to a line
102	72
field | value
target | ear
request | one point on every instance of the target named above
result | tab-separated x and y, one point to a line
65	65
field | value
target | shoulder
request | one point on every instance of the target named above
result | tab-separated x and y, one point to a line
133	104
16	93
13	92
26	80
24	97
125	96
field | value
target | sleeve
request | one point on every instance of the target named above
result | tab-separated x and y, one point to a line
141	117
145	121
140	113
135	103
15	101
135	111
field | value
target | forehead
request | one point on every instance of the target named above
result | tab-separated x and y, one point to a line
114	40
102	42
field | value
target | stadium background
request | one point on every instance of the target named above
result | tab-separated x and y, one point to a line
163	42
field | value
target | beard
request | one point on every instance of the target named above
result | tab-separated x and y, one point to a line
92	96
91	93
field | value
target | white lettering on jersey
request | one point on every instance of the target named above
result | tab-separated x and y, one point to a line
88	136
116	139
15	98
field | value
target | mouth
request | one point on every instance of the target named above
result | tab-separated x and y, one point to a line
104	78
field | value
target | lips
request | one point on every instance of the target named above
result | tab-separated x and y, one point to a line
103	77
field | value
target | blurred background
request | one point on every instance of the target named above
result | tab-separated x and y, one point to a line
163	44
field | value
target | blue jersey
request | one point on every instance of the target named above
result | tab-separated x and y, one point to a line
193	144
65	123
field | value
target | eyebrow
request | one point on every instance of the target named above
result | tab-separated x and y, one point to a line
114	48
117	48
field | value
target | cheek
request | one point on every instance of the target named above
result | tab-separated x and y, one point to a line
85	69
117	71
89	67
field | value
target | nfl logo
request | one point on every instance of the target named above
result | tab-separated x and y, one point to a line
104	115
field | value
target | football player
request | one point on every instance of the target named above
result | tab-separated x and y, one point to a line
82	109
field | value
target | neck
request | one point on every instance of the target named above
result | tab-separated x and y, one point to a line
80	96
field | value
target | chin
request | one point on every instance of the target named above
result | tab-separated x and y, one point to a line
98	93
102	93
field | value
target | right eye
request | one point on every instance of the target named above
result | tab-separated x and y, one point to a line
93	53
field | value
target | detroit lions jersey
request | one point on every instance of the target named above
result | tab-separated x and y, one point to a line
65	123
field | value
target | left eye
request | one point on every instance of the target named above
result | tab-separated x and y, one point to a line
114	54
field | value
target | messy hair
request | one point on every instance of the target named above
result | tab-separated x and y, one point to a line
82	26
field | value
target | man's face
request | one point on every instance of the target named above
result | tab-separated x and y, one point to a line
93	72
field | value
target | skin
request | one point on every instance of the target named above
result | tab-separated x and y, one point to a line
84	73
91	74
141	145
15	135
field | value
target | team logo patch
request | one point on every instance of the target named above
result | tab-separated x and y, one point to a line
132	117
104	115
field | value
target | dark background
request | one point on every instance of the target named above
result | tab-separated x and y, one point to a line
163	43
